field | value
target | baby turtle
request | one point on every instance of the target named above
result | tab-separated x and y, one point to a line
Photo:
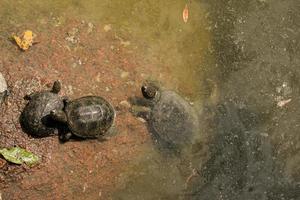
35	118
86	117
172	120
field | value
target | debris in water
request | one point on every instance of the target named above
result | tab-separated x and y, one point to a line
185	13
26	41
283	102
125	104
90	27
18	155
107	27
72	36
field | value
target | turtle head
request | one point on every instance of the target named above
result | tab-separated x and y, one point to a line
150	91
56	87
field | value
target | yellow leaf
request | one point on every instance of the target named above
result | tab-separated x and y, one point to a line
26	41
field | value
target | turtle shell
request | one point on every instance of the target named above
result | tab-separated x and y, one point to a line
173	120
90	116
35	118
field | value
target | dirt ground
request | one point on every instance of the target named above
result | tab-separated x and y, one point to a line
89	59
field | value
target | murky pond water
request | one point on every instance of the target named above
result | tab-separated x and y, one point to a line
236	63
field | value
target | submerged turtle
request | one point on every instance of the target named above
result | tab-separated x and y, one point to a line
35	118
86	117
172	120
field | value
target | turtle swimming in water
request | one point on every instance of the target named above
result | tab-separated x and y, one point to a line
35	118
86	117
172	120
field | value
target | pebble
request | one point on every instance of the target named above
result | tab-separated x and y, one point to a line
72	36
125	43
125	104
90	27
124	74
141	119
3	88
107	27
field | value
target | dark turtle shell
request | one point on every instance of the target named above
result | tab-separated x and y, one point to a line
35	118
173	120
90	116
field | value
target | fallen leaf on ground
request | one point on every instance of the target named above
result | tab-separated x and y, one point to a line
26	41
185	13
18	155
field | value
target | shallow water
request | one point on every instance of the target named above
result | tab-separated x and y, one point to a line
237	61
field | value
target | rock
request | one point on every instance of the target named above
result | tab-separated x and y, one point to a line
90	27
141	119
2	163
72	36
125	43
107	27
124	74
3	88
125	104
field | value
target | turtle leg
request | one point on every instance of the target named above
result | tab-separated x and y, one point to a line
28	96
58	115
65	137
66	100
56	87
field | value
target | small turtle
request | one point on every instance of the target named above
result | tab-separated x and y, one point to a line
35	118
86	117
172	120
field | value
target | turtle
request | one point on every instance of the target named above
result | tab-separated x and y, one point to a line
35	118
87	117
172	120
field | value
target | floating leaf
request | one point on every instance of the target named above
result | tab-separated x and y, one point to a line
185	13
18	155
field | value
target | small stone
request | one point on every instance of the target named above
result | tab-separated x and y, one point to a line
3	88
70	90
2	162
141	119
124	74
125	104
90	27
98	77
107	89
107	27
125	43
72	36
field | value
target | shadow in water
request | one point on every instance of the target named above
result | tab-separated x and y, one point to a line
241	165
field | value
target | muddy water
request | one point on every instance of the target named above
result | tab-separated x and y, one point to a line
157	26
239	57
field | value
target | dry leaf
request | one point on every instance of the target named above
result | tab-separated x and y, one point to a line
185	13
26	41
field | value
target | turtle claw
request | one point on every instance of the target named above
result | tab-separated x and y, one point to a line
65	137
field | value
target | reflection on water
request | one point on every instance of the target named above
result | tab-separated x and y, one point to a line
249	50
